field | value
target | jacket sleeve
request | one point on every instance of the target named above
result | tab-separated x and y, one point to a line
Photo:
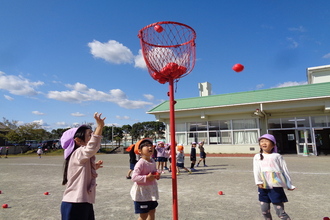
257	170
286	173
92	147
137	176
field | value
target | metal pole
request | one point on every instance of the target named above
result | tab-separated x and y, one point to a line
112	138
173	151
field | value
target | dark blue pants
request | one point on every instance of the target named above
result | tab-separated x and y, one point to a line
77	211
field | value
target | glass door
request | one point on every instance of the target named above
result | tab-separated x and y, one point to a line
304	142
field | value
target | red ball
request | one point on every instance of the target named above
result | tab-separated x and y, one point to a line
46	193
238	67
157	175
326	218
5	206
158	28
220	193
0	191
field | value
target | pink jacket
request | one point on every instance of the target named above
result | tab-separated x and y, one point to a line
82	173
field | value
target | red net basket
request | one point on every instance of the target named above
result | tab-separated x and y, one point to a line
168	49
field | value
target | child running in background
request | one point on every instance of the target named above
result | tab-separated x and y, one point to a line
193	156
202	154
144	191
39	152
80	146
180	160
161	156
132	160
271	176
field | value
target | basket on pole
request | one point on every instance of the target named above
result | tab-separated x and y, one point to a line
169	51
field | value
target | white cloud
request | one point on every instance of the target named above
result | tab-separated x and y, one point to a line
61	124
8	97
139	61
37	113
326	56
40	122
298	29
290	83
260	86
293	43
149	96
112	51
122	117
77	114
18	85
81	93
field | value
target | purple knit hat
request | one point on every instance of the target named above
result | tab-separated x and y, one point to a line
67	141
271	138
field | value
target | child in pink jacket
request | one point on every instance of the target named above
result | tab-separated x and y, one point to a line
80	146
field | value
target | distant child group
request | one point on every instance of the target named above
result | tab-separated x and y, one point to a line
162	155
81	144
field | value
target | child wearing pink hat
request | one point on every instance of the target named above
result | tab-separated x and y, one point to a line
271	176
80	146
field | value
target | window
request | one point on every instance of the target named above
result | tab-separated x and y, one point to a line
244	124
225	124
319	121
274	123
302	122
180	127
180	138
288	123
214	125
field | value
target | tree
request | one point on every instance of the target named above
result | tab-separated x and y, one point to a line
10	125
57	133
127	130
137	131
29	131
151	129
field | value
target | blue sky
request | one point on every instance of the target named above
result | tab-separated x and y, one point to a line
61	61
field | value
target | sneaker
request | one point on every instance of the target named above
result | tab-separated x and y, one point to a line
205	165
193	169
189	172
177	173
197	165
128	177
165	168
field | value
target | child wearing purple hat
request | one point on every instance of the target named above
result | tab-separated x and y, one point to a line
271	176
80	146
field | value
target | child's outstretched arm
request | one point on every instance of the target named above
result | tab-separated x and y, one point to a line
100	123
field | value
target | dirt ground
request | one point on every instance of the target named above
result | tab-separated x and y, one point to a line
23	181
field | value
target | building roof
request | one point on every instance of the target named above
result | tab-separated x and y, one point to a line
308	91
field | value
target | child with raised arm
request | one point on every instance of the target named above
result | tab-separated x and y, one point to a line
144	191
271	176
80	146
202	154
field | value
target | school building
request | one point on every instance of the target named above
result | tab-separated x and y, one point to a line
298	116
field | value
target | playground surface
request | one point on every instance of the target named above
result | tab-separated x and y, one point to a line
24	180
